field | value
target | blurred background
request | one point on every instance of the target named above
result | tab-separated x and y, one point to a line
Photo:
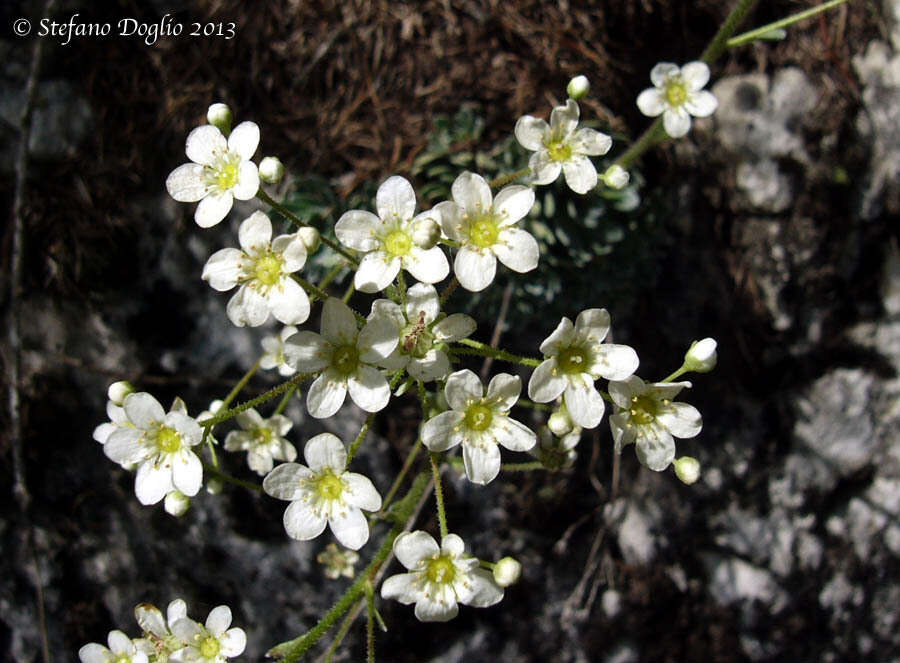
772	227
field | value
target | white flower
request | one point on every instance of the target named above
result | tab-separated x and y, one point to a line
556	452
575	356
479	422
485	229
346	356
387	239
701	357
273	356
338	562
121	650
159	641
649	418
562	147
262	267
212	642
324	493
160	445
677	94
418	351
440	577
262	439
220	171
117	420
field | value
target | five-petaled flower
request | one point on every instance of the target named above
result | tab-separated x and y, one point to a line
211	642
160	445
485	228
419	350
273	352
220	171
324	493
562	147
678	93
121	650
262	267
346	358
479	421
649	418
387	239
575	356
262	439
440	577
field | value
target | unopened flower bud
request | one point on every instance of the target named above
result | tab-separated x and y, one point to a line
177	503
687	469
701	357
578	87
214	486
219	115
118	391
426	233
271	170
615	177
310	238
507	572
560	423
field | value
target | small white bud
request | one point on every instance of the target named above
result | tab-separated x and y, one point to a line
219	115
615	177
578	87
177	503
426	233
214	486
560	423
271	170
701	356
118	391
507	572
310	238
687	469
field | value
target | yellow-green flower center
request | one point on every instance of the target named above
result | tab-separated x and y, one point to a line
478	417
643	409
483	231
398	243
263	436
345	359
559	151
268	269
122	658
676	92
328	486
441	570
573	361
210	647
224	175
168	440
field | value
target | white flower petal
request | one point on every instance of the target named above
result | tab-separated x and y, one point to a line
244	139
622	433
614	362
403	587
284	482
677	122
255	233
427	265
247	184
186	629
544	170
204	143
701	104
504	390
450	214
592	325
307	351
580	173
546	384
395	198
356	230
463	387
218	620
119	642
360	492
473	269
530	132
186	184
326	395
440	608
513	434
213	209
152	483
584	403
435	365
223	269
517	249
482	462
695	75
350	528
143	410
564	119
454	327
247	307
325	451
590	142
412	547
681	420
562	336
94	653
338	323
422	297
288	302
436	431
301	523
514	203
472	193
151	620
655	447
651	102
453	545
233	642
484	592
125	446
187	473
661	72
377	339
369	389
